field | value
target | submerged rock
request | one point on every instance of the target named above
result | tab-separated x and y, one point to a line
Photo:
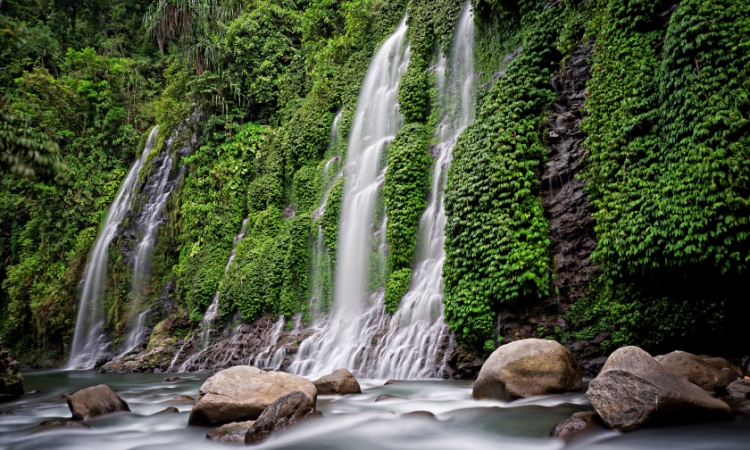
231	432
527	368
47	424
11	382
283	413
698	371
242	393
743	408
95	401
633	390
183	399
340	382
170	410
385	397
172	379
578	424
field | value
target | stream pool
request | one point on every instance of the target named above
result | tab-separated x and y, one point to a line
353	422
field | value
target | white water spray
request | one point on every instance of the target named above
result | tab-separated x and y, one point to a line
90	343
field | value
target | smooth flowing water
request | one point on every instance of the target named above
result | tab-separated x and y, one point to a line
410	349
340	341
90	343
354	421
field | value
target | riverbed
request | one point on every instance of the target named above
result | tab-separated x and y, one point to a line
355	422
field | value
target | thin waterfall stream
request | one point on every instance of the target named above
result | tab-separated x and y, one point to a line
90	342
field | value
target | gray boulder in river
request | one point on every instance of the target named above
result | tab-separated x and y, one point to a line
527	368
339	382
697	370
285	412
633	391
11	383
241	393
95	401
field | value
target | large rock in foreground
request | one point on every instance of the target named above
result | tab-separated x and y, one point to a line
339	382
697	370
11	383
95	401
241	393
285	412
633	390
526	368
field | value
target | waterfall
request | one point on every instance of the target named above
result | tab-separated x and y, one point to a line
90	343
340	341
212	312
410	348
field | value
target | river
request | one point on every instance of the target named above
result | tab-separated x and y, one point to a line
349	422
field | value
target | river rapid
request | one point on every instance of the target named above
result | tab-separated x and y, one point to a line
351	422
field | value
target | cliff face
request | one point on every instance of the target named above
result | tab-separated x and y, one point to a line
11	382
571	225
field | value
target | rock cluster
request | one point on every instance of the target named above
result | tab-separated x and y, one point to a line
527	368
577	425
242	393
713	374
285	412
633	390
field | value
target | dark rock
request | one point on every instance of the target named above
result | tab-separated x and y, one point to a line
283	413
389	382
385	397
172	379
340	382
59	424
230	433
697	370
95	401
7	413
425	414
169	410
183	398
11	382
579	423
743	408
242	393
633	390
718	362
527	368
739	388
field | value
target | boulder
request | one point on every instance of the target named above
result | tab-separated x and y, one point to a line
230	433
739	388
633	390
285	412
241	393
698	371
95	401
11	382
743	408
578	424
340	382
526	368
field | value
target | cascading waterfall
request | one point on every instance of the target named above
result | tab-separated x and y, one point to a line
410	348
90	343
341	341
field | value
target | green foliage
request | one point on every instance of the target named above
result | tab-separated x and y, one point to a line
496	233
396	287
330	219
668	167
405	192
